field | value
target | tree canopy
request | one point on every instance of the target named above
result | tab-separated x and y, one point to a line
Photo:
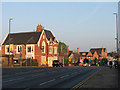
64	46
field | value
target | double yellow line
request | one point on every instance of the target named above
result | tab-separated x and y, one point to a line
82	82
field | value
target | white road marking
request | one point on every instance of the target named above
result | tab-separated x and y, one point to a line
64	76
47	81
14	79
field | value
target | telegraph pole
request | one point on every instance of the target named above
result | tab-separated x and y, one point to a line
9	40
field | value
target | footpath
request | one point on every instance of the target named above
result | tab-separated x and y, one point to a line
105	78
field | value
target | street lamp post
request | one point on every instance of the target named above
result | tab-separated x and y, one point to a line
117	37
9	40
116	32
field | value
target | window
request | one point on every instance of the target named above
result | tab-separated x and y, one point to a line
43	60
32	49
29	49
19	48
7	49
43	47
50	50
55	50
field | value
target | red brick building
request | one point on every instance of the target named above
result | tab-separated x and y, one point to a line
40	45
98	53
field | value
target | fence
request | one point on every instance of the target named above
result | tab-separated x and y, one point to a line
30	62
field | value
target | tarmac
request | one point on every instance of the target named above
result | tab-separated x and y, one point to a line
105	78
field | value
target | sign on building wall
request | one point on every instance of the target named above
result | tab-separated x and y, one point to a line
11	48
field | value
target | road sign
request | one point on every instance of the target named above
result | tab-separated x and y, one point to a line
69	59
89	60
45	62
11	48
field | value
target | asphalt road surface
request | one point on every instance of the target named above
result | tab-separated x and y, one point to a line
60	77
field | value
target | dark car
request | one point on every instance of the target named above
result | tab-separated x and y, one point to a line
77	64
57	63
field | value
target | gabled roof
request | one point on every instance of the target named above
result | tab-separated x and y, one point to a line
98	50
70	52
49	35
26	37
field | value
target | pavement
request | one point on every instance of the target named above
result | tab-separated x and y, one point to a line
105	78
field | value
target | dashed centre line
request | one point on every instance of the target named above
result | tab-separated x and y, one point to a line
64	76
14	79
47	81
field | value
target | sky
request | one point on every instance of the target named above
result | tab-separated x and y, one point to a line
82	25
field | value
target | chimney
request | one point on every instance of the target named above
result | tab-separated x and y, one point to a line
68	49
39	28
77	50
61	48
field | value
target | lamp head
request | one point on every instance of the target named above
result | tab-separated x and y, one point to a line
115	13
11	19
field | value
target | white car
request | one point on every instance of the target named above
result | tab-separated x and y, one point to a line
85	65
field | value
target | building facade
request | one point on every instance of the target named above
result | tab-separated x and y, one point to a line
94	53
98	53
40	45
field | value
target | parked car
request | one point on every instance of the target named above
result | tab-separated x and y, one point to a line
77	64
93	64
57	63
85	64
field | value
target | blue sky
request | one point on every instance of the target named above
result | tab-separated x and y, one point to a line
79	24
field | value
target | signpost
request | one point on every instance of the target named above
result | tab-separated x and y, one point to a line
69	59
45	62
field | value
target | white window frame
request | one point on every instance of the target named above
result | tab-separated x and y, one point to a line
55	50
19	48
50	49
44	45
30	53
32	48
6	46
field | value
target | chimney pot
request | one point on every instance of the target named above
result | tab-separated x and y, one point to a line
67	48
77	50
39	28
61	48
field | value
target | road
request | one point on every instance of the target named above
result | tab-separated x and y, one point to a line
60	77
